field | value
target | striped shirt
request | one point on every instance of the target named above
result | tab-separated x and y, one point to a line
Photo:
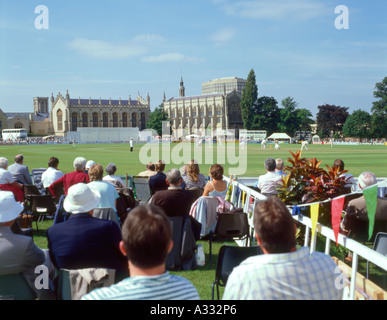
297	275
160	287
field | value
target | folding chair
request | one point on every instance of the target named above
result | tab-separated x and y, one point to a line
231	225
380	245
15	287
142	189
228	258
42	207
31	190
196	193
37	178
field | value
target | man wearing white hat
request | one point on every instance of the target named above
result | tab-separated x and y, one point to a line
18	253
83	241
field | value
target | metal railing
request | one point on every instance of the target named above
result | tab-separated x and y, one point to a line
245	197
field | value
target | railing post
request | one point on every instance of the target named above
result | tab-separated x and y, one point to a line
355	259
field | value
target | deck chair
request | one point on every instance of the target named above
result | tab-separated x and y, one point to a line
142	190
15	287
37	179
232	224
106	214
228	258
42	207
380	245
30	190
73	284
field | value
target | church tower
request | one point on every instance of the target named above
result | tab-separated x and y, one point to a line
181	89
40	105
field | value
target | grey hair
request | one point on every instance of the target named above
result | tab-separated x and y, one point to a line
3	162
79	163
366	179
280	164
174	176
111	168
270	164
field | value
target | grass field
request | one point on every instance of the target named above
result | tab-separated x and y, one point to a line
357	159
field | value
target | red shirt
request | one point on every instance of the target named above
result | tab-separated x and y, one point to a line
68	180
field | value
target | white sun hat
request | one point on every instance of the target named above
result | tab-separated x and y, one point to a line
89	164
80	198
9	208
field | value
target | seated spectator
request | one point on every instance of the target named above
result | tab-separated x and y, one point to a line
106	190
175	201
282	272
149	171
216	187
147	241
8	183
355	221
279	167
20	171
89	164
18	253
70	179
83	241
111	169
183	171
268	182
158	181
350	179
52	173
194	179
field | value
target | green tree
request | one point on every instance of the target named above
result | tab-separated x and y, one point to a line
156	117
358	125
305	119
379	110
289	121
249	100
266	115
330	119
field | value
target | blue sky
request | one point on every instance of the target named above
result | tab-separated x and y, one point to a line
119	48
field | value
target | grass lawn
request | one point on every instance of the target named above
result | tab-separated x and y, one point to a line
356	158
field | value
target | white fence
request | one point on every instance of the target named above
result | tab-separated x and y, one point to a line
247	198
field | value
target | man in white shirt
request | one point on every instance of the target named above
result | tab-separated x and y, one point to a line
282	272
52	173
269	182
131	145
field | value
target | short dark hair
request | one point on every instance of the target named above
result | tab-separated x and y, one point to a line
339	163
53	162
150	166
19	158
270	164
160	165
216	171
274	225
147	234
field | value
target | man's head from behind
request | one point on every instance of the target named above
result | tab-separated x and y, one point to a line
270	164
19	158
146	237
53	162
366	179
339	163
274	226
279	164
79	164
174	177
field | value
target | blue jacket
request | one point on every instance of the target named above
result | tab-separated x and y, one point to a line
83	241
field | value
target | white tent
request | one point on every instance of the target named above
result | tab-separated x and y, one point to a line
280	137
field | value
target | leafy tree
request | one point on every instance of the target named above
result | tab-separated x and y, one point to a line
358	125
266	115
249	100
330	119
379	110
305	119
289	121
156	117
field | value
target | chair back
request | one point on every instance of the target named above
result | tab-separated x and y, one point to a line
61	215
42	204
380	244
31	190
231	256
15	287
232	225
196	193
142	189
37	178
106	214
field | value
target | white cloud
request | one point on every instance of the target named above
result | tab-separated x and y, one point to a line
149	38
222	36
171	57
275	10
104	49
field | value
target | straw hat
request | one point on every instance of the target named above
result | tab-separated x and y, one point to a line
81	198
9	208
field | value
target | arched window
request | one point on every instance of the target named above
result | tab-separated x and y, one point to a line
74	121
105	120
18	125
95	119
125	120
85	120
143	117
115	119
59	120
134	120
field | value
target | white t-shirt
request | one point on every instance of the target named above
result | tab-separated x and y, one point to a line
51	175
5	177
